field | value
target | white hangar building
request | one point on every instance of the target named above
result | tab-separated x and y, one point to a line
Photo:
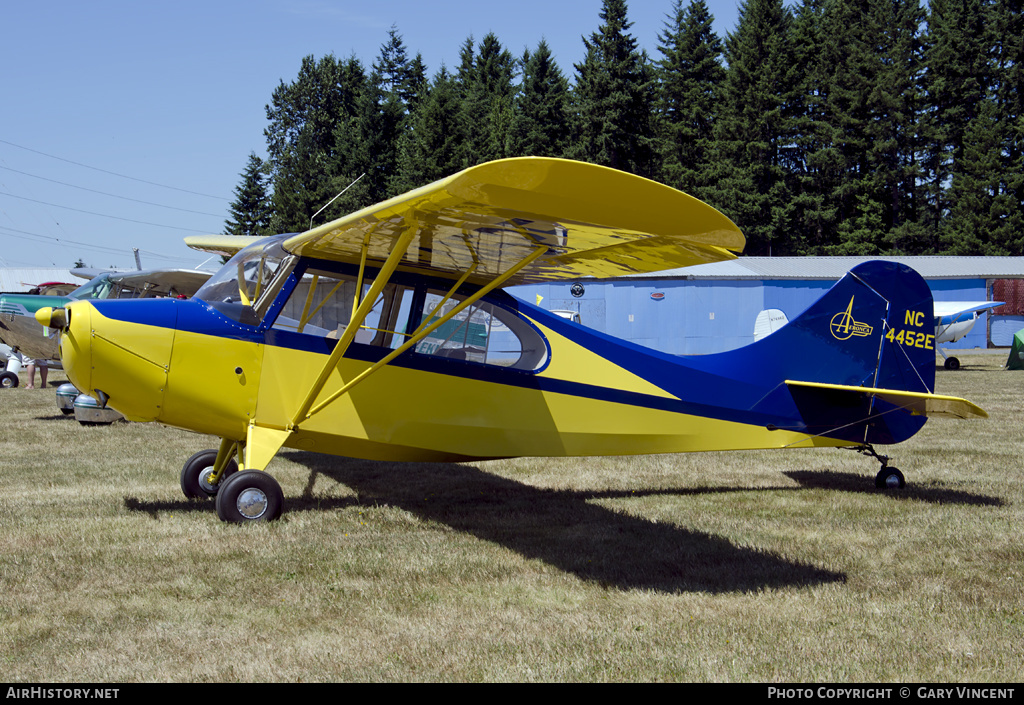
712	307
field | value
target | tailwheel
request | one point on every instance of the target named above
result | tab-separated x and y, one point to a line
890	479
196	474
249	496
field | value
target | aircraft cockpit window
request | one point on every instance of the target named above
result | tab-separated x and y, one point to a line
483	333
97	288
321	304
244	288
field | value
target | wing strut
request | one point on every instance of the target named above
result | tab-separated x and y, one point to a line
422	332
359	314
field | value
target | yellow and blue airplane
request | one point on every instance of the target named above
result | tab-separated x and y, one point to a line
385	335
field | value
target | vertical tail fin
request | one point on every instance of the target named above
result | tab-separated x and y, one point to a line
874	329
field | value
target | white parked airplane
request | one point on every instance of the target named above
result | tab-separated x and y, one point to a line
954	320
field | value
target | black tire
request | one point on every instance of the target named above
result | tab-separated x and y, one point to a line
8	380
890	479
195	470
250	496
951	363
67	412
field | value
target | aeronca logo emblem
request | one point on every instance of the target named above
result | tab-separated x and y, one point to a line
844	327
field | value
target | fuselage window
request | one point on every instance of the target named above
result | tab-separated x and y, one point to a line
322	302
482	333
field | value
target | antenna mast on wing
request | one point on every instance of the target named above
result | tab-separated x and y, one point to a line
335	199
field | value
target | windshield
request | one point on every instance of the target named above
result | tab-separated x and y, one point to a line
96	288
246	285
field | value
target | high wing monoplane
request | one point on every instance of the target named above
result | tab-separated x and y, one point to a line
385	335
954	320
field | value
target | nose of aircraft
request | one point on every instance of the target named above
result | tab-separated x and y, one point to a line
117	353
75	350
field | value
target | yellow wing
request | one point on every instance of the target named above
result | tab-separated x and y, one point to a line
592	220
916	403
226	245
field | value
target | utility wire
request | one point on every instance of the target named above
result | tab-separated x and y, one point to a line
88	246
112	173
112	195
104	215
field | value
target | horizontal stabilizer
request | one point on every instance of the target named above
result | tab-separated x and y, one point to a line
917	403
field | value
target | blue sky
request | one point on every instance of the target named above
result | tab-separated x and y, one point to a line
127	124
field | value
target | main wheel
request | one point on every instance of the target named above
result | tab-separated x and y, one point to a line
196	473
8	380
250	495
890	479
951	363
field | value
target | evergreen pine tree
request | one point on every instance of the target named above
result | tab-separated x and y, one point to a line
958	48
756	129
250	211
690	76
815	172
615	97
488	90
984	194
898	146
306	118
384	119
850	32
541	122
1007	227
436	147
417	84
872	106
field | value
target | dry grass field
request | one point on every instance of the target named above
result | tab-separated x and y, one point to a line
753	566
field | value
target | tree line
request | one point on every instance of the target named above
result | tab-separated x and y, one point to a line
827	127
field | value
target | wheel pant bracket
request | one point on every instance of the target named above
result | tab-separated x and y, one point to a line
867	449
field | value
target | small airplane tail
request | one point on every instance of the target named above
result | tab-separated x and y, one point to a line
859	363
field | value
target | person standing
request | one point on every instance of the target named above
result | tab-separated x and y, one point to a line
30	368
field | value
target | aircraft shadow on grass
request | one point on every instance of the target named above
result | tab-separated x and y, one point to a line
560	528
566	529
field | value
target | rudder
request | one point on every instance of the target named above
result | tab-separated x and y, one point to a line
873	329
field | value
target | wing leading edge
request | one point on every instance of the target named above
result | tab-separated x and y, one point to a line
591	220
947	312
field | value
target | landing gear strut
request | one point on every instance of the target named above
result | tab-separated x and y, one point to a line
241	497
888	478
197	475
